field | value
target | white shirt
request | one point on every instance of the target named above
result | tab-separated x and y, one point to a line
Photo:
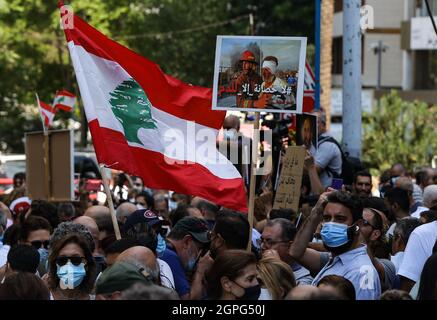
4	250
166	274
397	260
419	210
418	250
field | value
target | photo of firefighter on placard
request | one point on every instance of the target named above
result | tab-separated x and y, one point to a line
259	74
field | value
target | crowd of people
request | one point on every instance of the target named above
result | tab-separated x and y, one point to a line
347	244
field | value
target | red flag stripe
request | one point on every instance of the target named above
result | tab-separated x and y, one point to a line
192	178
65	93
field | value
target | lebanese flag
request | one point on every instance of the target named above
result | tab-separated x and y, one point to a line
64	100
149	124
47	113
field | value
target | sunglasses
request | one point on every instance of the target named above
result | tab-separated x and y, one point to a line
75	260
38	244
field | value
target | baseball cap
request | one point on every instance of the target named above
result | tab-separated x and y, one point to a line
121	276
196	227
142	216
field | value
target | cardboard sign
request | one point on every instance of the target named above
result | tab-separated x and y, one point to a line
259	73
56	183
288	191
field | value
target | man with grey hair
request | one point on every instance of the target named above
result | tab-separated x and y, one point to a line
124	210
328	155
430	197
407	184
278	235
401	234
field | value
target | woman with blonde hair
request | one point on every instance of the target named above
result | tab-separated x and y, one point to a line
276	278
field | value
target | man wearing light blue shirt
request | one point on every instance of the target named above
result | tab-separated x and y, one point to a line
341	216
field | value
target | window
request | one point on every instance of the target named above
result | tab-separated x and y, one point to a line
337	55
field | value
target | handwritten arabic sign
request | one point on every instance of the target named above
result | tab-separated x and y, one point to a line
259	74
288	191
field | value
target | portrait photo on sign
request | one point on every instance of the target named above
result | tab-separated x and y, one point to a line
259	74
306	131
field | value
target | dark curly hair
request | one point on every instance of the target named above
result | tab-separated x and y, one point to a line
350	201
87	284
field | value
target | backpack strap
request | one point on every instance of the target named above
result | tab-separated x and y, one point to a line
331	172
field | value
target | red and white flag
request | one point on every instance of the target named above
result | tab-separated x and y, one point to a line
64	100
140	119
47	113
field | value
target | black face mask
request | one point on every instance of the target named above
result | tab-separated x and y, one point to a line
251	293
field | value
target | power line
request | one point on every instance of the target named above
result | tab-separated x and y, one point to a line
431	16
170	33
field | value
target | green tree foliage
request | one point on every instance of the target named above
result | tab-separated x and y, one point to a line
399	131
179	35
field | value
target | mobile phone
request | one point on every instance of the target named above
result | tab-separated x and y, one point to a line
337	184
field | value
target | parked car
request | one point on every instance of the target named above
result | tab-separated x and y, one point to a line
85	166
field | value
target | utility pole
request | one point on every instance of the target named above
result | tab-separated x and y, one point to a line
352	77
318	18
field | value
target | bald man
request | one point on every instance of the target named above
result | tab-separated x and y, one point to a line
102	216
124	210
141	257
92	227
97	211
158	269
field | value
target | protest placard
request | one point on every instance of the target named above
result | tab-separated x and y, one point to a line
254	73
49	165
288	191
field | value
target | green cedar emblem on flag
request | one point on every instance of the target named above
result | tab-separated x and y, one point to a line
132	108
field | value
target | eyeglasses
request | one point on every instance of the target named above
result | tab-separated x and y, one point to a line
75	260
268	242
37	244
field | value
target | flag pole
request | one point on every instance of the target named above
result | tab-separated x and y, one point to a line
254	157
110	203
46	146
253	177
40	113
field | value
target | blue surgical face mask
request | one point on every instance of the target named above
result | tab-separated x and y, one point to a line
71	276
334	234
161	246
